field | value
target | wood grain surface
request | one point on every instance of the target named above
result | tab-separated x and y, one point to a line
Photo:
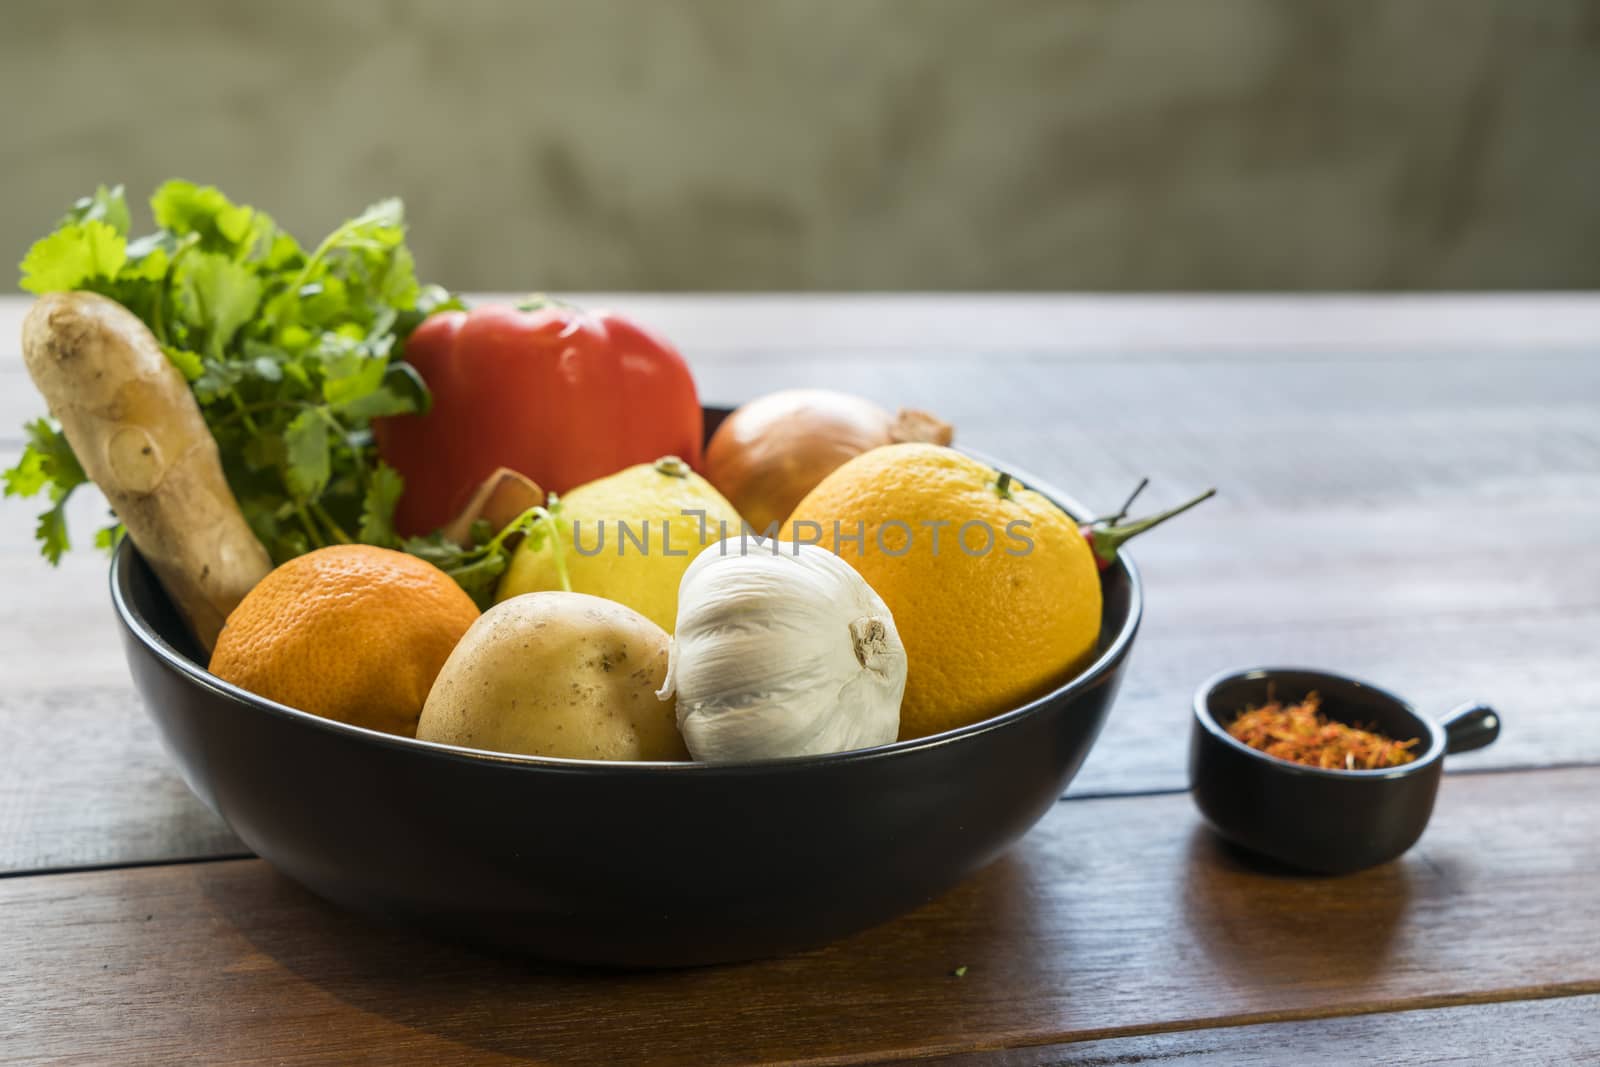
1553	1030
1410	492
1115	917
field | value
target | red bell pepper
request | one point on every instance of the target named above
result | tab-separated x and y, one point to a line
558	394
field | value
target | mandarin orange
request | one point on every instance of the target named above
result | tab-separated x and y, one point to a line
350	632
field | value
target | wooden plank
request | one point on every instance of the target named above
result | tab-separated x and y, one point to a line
1552	1030
1273	325
1288	434
1284	435
1115	917
1096	368
85	782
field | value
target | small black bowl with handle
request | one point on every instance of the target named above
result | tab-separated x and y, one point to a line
1309	818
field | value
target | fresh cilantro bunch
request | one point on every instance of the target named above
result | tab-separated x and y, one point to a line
290	353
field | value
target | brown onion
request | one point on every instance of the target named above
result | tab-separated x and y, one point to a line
775	449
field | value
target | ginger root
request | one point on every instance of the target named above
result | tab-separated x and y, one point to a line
135	427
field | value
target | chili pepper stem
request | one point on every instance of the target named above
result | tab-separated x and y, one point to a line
1122	512
1104	540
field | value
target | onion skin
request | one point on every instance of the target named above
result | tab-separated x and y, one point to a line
767	455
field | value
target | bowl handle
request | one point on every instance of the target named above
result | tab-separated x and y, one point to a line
1470	726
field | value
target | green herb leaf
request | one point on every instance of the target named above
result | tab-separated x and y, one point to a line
51	530
74	255
221	225
377	507
436	549
267	369
184	207
27	478
431	299
361	378
147	261
398	285
46	460
477	568
105	205
308	463
47	463
289	355
187	362
216	296
107	537
401	392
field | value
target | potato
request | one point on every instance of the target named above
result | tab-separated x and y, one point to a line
557	674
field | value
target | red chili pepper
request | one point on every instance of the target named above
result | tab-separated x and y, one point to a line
557	394
1106	535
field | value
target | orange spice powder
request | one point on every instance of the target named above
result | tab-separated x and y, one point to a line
1300	733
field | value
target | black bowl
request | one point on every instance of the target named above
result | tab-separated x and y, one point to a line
1324	821
632	864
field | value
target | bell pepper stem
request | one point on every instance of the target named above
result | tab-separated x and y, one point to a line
540	301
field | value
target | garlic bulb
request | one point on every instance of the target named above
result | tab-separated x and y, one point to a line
782	650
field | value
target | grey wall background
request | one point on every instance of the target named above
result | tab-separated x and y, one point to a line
848	144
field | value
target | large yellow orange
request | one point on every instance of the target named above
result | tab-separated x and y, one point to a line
1004	606
350	632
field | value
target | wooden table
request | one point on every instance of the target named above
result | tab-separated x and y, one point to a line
1410	491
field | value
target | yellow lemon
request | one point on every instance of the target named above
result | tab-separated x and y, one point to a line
995	592
627	537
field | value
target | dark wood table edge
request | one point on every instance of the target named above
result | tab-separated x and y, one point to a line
1065	1042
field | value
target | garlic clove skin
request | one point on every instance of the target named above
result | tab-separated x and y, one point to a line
782	650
